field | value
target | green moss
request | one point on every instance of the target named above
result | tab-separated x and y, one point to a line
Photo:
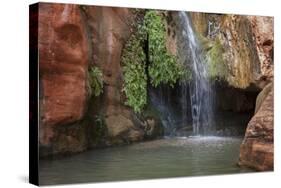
214	51
95	81
216	65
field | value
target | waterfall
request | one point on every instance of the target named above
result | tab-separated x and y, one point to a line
199	86
186	109
160	98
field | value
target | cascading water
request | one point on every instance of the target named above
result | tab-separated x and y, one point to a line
199	86
193	103
161	99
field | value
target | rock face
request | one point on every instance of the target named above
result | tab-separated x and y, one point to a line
71	39
257	148
108	29
240	47
262	28
63	58
240	56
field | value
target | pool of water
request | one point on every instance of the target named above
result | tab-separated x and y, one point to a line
169	157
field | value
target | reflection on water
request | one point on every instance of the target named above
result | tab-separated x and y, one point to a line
170	157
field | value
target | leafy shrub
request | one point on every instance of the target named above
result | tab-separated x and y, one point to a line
96	81
135	86
164	67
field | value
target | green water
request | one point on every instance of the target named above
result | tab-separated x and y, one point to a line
170	157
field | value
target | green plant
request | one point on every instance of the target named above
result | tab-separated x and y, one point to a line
135	85
164	67
96	81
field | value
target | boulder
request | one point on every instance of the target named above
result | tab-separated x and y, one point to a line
121	129
262	95
256	151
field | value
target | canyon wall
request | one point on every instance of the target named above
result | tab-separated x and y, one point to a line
239	48
63	65
109	29
72	39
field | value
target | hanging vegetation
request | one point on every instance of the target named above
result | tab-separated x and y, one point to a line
163	67
135	85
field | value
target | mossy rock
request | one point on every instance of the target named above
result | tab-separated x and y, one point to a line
206	43
214	50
